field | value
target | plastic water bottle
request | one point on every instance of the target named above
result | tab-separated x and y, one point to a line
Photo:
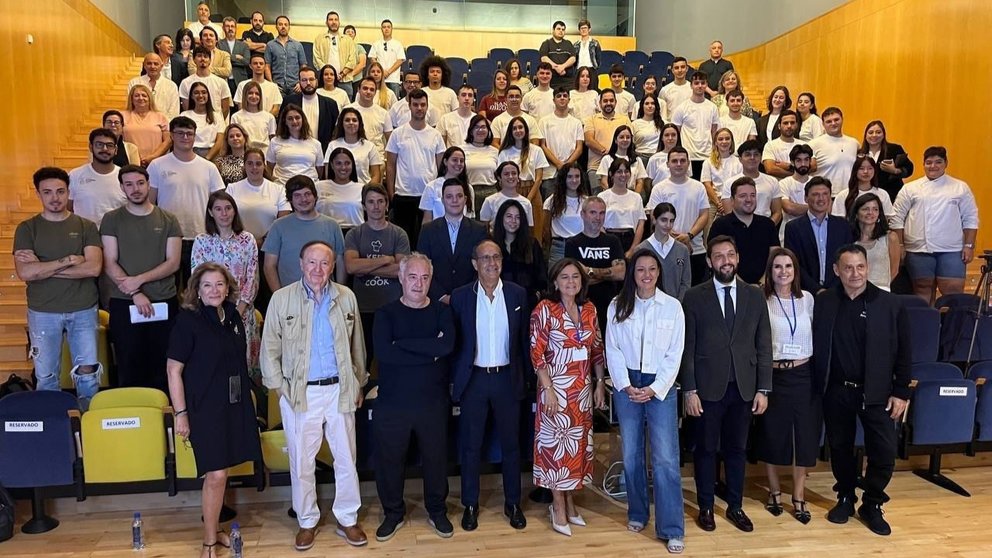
137	538
237	544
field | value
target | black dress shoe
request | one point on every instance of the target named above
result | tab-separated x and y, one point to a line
843	510
470	519
515	515
740	520
705	520
871	514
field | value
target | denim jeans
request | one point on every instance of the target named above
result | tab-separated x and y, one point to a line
45	330
661	418
347	87
395	88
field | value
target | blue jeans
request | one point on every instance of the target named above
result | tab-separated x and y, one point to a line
662	421
347	87
395	88
45	330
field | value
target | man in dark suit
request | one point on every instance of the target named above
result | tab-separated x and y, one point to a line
239	51
327	108
857	382
726	375
449	241
816	236
492	320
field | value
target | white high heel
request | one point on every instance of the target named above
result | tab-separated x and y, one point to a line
563	529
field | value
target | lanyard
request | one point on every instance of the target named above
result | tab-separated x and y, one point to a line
794	322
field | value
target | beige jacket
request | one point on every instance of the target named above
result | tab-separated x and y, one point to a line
220	64
346	52
285	354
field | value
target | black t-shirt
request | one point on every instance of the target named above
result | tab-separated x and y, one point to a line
559	53
597	253
847	361
753	242
714	71
263	37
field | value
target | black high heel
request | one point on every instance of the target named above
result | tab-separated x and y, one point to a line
209	548
774	505
800	512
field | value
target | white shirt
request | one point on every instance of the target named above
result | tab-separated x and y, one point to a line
811	128
841	211
399	113
569	223
260	126
933	213
674	95
720	295
696	122
341	202
651	340
623	211
431	200
492	328
535	160
538	103
444	98
365	154
217	86
585	60
646	136
583	105
500	123
662	248
311	108
337	95
560	135
778	150
767	190
657	168
689	199
492	203
377	124
387	53
480	164
834	159
94	194
183	189
791	322
258	205
741	129
416	161
206	133
271	96
626	103
165	93
637	171
795	191
292	156
454	128
731	166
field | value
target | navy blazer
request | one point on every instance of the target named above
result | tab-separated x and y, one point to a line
800	239
451	270
463	304
329	110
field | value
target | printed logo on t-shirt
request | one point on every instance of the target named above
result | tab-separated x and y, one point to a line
168	173
73	235
590	253
376	245
87	180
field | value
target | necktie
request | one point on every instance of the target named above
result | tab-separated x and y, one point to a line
728	309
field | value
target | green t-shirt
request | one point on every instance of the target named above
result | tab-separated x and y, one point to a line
141	242
50	241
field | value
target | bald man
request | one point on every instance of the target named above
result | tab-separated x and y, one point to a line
164	91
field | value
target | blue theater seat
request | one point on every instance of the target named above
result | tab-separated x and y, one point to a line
459	71
485	67
483	84
958	323
500	55
634	62
610	57
924	326
529	59
416	54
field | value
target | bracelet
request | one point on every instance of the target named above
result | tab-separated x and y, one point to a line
181	413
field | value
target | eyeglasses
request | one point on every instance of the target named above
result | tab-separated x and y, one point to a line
104	145
183	133
113	123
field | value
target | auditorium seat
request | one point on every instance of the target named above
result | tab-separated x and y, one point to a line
499	56
124	436
610	57
483	84
102	354
958	325
924	326
941	419
529	59
485	66
982	372
459	71
912	301
662	59
38	448
634	62
415	55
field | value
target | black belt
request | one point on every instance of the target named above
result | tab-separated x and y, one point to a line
325	381
619	231
491	369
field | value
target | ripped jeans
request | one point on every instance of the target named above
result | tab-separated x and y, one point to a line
45	330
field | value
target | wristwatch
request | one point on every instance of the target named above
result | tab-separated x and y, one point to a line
970	245
691	236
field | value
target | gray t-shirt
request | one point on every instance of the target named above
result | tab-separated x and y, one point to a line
50	241
288	235
372	291
141	246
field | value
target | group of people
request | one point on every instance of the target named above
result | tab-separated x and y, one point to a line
545	235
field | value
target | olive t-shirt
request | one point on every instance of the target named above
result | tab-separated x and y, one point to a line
50	241
141	242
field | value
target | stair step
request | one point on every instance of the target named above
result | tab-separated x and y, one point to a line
22	368
14	347
13	289
17	326
13	308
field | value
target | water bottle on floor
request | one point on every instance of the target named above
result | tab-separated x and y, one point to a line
237	544
137	537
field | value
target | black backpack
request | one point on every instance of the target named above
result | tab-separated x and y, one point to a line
14	384
6	515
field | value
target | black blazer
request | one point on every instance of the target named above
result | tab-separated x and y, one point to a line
239	68
463	301
763	127
710	348
892	183
328	116
451	270
180	70
800	239
887	356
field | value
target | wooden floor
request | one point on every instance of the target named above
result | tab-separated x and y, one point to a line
926	520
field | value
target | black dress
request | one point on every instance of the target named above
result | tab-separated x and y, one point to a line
223	434
533	277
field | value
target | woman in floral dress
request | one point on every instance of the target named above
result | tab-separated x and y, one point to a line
566	347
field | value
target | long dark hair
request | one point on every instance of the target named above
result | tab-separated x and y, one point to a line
812	103
882	147
628	292
614	167
852	183
209	106
661	136
346	152
320	76
658	121
881	226
631	150
471	129
521	249
442	169
211	225
554	295
769	286
560	199
282	129
510	141
339	127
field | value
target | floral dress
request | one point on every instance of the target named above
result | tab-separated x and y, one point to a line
563	448
239	254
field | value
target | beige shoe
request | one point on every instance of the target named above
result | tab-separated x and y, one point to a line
352	535
304	539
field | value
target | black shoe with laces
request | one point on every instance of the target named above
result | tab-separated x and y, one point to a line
872	516
442	526
388	528
842	511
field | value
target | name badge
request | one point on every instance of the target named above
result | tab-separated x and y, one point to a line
791	349
580	354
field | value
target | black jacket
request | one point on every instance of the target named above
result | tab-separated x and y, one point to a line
451	269
800	239
329	110
892	183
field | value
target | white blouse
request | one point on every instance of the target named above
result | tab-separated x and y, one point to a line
792	326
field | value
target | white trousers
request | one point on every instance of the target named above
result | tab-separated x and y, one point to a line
303	439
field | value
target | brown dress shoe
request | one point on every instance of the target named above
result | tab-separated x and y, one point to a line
352	535
304	538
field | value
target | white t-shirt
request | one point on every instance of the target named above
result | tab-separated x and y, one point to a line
183	189
626	103
206	133
259	205
657	168
741	128
637	171
492	203
696	122
399	113
569	223
767	190
260	126
165	93
811	128
778	150
416	157
387	53
795	191
646	136
338	95
377	124
94	194
454	128
689	198
841	211
444	98
834	159
431	200
583	105
341	202
535	160
731	166
365	154
560	135
623	211
480	164
217	86
500	123
674	95
271	96
292	156
538	103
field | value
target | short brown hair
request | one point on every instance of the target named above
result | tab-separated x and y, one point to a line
556	269
191	296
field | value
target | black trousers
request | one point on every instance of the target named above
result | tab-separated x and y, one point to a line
407	216
700	271
723	426
485	392
393	428
697	169
840	407
140	349
185	262
368	319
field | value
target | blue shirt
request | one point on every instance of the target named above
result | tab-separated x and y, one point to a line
285	61
820	233
323	361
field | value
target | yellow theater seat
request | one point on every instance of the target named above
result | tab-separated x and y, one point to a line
130	397
123	444
276	456
102	354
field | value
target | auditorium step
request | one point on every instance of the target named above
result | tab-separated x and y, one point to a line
14	347
22	368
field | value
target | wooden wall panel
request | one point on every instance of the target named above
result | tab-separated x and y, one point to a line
922	67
